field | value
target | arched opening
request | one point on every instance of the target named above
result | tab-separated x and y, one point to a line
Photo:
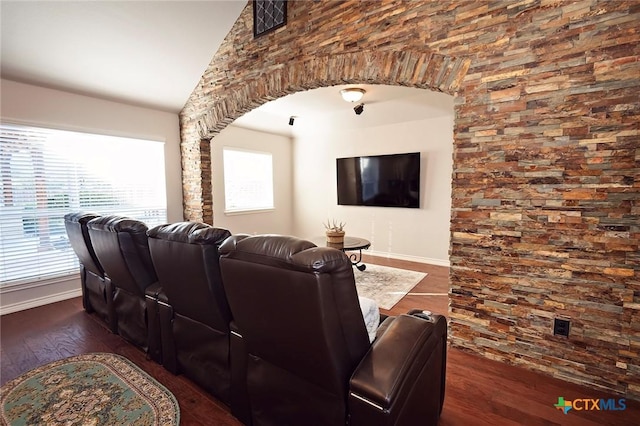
425	70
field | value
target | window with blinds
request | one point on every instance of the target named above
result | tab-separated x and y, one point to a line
248	180
45	174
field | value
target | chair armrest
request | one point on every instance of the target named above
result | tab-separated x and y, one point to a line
152	294
240	405
401	378
165	313
112	316
384	324
153	290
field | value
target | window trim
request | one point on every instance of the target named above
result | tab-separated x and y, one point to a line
248	211
43	281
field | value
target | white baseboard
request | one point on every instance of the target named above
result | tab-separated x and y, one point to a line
34	303
427	260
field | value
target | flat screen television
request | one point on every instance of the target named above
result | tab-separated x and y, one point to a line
379	180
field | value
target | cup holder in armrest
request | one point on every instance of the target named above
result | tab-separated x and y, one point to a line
425	315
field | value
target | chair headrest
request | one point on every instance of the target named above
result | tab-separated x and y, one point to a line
284	251
189	233
80	217
115	223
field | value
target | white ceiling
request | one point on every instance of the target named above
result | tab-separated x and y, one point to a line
147	53
153	53
383	105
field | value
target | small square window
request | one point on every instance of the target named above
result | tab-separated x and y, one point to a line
268	15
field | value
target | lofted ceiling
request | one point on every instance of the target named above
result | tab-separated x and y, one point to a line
153	53
146	53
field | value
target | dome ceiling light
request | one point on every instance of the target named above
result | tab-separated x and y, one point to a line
352	94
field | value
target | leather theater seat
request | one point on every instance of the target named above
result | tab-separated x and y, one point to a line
122	247
97	295
309	360
194	313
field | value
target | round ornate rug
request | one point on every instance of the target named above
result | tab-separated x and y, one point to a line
91	389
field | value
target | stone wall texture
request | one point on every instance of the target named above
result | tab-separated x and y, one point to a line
545	219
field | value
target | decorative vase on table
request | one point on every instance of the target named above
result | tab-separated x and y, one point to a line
335	234
335	238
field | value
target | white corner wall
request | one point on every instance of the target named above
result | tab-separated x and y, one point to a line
276	221
32	105
412	234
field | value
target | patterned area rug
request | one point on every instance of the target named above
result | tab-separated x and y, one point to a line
386	285
91	389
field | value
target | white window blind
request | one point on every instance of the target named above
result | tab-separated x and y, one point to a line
248	180
45	174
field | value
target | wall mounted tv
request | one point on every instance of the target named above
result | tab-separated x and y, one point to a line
379	180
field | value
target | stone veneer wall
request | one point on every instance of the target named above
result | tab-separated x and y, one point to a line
546	189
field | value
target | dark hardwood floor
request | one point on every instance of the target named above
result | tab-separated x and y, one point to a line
479	391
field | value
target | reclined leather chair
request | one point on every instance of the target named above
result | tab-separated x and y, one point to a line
194	313
122	247
97	295
309	359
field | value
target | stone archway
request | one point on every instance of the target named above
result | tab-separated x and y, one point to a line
425	70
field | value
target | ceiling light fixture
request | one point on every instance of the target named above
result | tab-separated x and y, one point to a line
352	94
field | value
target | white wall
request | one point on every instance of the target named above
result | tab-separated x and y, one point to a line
32	105
276	221
414	234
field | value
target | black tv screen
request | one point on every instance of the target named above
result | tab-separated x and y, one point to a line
379	180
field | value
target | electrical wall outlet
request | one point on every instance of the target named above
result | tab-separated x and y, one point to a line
561	327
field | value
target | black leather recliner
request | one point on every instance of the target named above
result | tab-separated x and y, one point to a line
97	295
122	247
309	359
194	313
